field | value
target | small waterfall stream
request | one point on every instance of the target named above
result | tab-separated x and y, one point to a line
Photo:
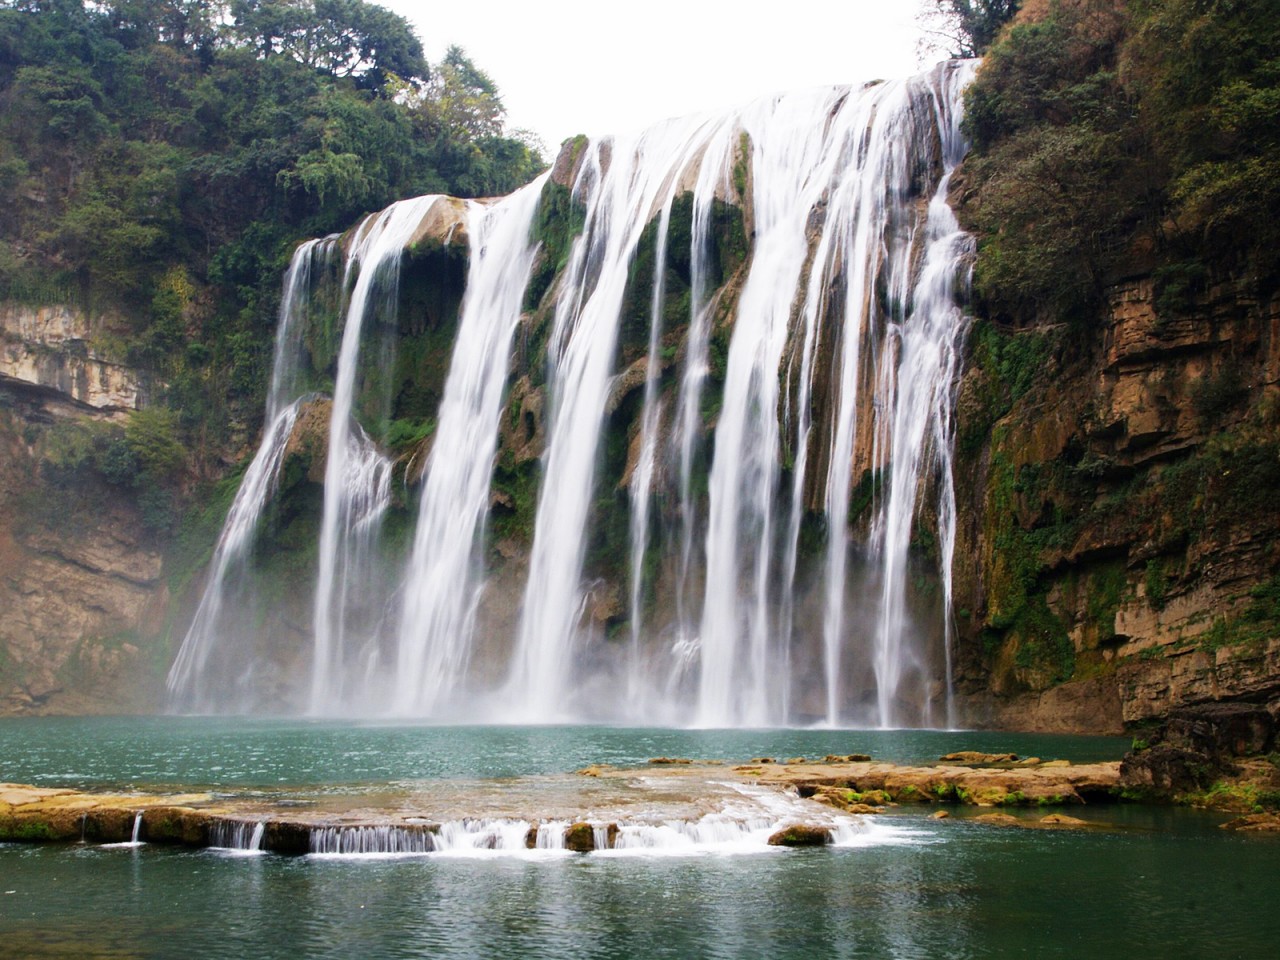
443	571
785	415
357	477
187	676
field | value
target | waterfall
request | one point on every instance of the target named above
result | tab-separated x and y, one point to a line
620	187
357	478
442	579
244	837
186	677
781	389
922	427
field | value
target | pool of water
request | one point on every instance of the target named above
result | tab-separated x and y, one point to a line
225	752
1147	882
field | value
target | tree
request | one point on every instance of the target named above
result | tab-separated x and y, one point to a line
343	38
967	28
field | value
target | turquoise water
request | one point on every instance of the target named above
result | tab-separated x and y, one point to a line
1151	883
203	751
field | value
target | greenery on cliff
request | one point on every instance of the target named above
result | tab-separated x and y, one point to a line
159	158
1120	410
1114	138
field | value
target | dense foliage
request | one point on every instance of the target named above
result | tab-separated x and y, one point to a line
158	159
1114	137
967	28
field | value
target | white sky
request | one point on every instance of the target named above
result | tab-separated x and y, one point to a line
565	67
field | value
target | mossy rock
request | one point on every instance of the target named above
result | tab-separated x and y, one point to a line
801	835
580	838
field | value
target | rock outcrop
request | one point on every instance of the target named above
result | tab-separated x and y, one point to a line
50	351
1118	549
81	585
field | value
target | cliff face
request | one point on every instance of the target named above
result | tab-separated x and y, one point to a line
81	590
1118	552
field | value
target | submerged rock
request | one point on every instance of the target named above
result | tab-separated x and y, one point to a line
1062	820
999	820
1254	823
973	756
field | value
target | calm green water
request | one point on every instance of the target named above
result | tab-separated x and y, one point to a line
1156	883
202	751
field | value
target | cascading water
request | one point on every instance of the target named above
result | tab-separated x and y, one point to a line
620	189
441	584
922	427
357	479
755	312
188	680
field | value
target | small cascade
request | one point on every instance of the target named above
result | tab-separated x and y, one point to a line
135	836
456	837
381	839
241	836
551	835
357	480
188	681
466	836
443	574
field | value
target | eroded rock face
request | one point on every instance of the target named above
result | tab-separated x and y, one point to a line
50	349
1118	551
81	581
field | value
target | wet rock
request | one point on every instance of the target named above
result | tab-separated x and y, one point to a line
847	758
1062	820
1166	770
1254	823
974	757
1219	729
281	836
1196	746
801	835
580	838
670	760
939	815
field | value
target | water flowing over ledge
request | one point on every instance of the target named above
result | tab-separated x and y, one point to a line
692	459
672	807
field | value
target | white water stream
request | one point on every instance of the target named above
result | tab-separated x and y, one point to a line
357	477
444	573
824	367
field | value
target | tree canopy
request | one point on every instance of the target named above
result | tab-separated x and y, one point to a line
158	159
967	28
1113	138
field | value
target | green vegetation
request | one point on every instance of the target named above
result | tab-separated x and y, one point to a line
159	160
967	28
1234	797
1110	134
1011	361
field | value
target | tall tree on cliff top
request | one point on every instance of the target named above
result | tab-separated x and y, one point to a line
966	28
343	38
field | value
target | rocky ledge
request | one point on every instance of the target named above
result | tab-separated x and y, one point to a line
805	803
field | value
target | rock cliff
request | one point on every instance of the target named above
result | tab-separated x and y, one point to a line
81	587
1118	553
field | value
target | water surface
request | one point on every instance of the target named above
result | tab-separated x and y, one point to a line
1149	882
